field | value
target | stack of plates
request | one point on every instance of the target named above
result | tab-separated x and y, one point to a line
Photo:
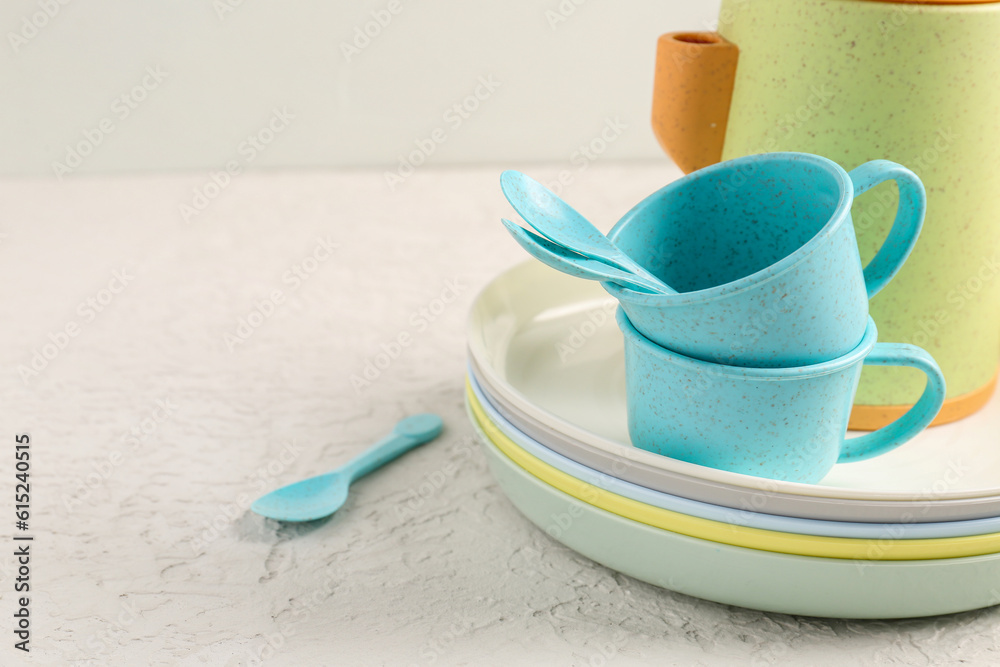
915	532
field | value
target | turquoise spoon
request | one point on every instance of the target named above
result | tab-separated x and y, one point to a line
563	225
321	496
562	259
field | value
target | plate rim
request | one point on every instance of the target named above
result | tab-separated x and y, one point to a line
742	498
603	477
759	539
808	569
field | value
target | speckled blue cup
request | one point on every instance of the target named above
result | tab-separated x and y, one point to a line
780	423
763	252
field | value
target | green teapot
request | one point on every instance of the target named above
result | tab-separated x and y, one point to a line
856	80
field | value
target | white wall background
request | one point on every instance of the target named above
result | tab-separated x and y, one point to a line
564	67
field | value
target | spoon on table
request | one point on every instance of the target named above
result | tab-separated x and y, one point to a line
563	225
320	496
562	259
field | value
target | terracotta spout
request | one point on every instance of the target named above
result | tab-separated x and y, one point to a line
695	73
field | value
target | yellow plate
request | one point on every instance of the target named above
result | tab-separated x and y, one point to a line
726	533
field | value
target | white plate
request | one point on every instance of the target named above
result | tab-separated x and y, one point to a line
548	345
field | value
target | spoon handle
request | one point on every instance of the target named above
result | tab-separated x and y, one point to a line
567	260
385	450
657	286
638	282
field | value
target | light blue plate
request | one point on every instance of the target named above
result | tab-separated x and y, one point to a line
726	514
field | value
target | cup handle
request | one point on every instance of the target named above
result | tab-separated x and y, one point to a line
695	75
916	418
905	228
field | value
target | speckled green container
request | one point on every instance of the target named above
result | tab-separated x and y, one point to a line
917	84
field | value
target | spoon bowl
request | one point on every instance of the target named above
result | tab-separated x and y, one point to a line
561	224
306	500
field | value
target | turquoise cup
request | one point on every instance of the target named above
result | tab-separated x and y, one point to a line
780	423
763	253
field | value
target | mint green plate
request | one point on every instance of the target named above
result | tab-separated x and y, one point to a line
764	580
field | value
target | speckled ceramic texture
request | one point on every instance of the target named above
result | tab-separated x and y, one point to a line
779	423
764	254
917	84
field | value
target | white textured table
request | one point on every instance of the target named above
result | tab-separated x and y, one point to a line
156	416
